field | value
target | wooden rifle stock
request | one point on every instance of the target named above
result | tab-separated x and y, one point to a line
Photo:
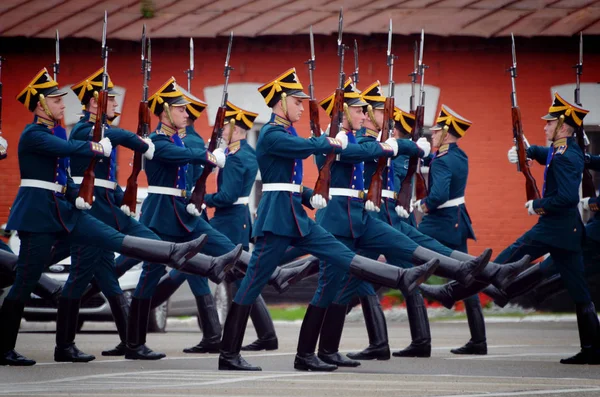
324	179
200	188
130	196
315	125
413	174
86	190
374	194
531	188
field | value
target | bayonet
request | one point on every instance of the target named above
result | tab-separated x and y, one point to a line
579	71
341	48
390	63
227	71
56	65
104	53
190	71
355	74
413	77
422	68
149	59
513	73
311	65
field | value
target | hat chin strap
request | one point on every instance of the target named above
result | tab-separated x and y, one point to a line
444	134
169	116
372	117
559	124
347	113
284	105
46	108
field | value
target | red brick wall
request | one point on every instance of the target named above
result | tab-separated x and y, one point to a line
470	73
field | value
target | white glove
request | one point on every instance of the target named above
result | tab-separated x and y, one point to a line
343	138
418	207
126	210
3	143
193	210
512	155
220	157
529	206
394	144
81	204
402	213
106	146
317	201
585	203
149	154
424	145
370	206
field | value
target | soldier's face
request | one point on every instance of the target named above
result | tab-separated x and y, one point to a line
179	116
56	106
378	116
357	117
294	108
111	107
436	137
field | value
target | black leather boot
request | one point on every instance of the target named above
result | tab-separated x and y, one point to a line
477	344
211	327
379	348
66	328
263	324
10	317
174	255
498	274
406	280
331	335
137	328
165	288
462	271
120	311
230	358
440	293
306	360
589	336
420	333
500	298
293	272
551	286
48	288
214	268
286	275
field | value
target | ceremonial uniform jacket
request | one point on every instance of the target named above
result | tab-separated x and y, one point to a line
370	165
192	139
163	213
593	226
279	152
44	156
448	173
234	181
559	223
346	216
107	203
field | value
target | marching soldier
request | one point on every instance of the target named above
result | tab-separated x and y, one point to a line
43	212
559	230
282	222
164	211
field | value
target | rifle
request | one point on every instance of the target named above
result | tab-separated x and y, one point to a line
413	185
355	74
197	198
313	106
143	128
3	152
86	190
587	183
337	115
190	71
531	188
56	68
387	129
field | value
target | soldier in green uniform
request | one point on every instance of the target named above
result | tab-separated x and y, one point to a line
45	214
282	222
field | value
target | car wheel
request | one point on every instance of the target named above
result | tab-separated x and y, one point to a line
158	318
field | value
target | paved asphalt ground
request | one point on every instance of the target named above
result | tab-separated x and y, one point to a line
522	361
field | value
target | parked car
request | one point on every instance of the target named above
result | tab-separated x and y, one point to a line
181	303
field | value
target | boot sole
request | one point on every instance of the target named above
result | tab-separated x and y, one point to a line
73	360
302	367
221	276
294	280
17	364
382	358
232	368
190	254
472	276
129	357
422	278
107	354
512	275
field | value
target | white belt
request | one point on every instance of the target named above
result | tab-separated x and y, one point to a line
452	203
242	201
169	191
282	187
53	186
388	194
97	182
337	191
